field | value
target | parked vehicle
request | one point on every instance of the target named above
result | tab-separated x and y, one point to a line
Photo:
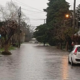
74	56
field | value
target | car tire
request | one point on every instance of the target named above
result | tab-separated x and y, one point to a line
72	62
68	61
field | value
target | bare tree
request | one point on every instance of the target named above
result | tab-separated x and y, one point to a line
7	30
10	25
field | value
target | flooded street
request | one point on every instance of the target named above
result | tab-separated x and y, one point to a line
36	62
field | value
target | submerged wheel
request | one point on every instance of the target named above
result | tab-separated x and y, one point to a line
68	61
72	62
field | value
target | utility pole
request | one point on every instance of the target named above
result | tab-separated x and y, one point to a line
74	14
44	21
19	17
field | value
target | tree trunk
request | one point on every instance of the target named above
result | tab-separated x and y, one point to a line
6	49
44	43
67	46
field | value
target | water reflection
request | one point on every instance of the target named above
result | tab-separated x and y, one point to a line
37	63
64	68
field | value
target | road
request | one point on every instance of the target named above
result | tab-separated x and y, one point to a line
36	62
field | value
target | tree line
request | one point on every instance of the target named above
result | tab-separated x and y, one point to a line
58	29
11	32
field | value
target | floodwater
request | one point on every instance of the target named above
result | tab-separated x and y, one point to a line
36	62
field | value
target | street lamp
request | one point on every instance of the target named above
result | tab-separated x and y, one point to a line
67	16
74	14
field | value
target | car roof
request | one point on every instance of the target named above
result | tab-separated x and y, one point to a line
77	45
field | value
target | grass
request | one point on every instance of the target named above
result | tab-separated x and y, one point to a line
1	49
10	48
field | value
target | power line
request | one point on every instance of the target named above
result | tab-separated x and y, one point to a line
29	6
31	10
32	14
40	19
37	19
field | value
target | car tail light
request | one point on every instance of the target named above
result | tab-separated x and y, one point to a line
75	52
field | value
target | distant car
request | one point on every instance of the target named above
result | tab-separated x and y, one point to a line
74	56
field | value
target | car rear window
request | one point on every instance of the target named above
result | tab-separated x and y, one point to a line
78	49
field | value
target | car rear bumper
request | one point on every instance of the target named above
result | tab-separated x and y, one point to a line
76	61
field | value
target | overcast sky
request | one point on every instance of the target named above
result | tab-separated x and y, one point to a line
33	9
72	2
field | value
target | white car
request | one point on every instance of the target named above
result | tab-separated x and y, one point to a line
74	56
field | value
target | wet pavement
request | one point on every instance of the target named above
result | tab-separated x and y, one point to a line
36	62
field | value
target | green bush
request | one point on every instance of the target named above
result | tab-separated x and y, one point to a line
53	41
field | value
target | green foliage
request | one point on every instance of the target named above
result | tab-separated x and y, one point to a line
56	11
70	31
55	31
41	33
53	41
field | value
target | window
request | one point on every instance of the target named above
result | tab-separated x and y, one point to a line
78	49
